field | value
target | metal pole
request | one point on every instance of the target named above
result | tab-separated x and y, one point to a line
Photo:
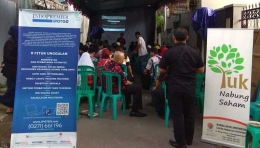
25	4
165	18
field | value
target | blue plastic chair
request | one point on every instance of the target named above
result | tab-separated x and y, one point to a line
254	109
108	93
98	88
84	90
167	108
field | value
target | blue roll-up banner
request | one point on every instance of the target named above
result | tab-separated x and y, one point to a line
45	98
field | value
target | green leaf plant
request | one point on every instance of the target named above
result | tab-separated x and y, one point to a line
225	60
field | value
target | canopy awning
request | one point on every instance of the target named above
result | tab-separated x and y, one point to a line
105	6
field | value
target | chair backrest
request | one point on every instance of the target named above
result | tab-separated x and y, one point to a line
95	63
124	68
256	96
155	71
86	73
86	68
108	78
99	69
199	79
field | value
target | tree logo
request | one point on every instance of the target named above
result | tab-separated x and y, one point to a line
226	60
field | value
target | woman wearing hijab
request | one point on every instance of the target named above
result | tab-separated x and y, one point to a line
105	57
9	68
85	60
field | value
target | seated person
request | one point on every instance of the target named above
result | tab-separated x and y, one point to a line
157	93
128	88
149	72
105	57
93	48
85	60
126	61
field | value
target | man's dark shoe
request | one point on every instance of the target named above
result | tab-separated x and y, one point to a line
176	145
137	114
161	116
189	143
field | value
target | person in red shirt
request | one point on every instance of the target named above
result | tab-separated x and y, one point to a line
128	88
164	48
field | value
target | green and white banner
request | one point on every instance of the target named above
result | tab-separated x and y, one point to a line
228	84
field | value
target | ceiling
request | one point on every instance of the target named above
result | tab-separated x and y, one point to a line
106	6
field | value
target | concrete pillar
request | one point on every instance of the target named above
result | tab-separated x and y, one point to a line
237	9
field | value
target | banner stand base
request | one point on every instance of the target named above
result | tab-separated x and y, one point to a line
219	143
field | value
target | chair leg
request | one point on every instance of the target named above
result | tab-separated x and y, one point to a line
246	142
93	100
166	117
90	104
124	103
114	108
105	105
255	142
77	107
98	98
102	106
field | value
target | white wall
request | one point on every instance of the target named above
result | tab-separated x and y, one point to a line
215	4
6	21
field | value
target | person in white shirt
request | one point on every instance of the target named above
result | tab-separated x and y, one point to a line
142	51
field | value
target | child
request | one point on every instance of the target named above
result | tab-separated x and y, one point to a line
149	72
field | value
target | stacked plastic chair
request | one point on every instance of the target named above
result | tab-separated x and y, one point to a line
254	109
255	114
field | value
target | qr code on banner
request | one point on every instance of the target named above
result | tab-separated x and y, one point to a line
62	109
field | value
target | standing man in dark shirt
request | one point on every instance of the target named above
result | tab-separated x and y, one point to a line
182	62
121	40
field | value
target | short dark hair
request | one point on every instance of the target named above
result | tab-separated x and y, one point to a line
93	48
100	43
110	48
121	33
114	45
80	46
119	48
137	33
181	34
84	48
154	50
